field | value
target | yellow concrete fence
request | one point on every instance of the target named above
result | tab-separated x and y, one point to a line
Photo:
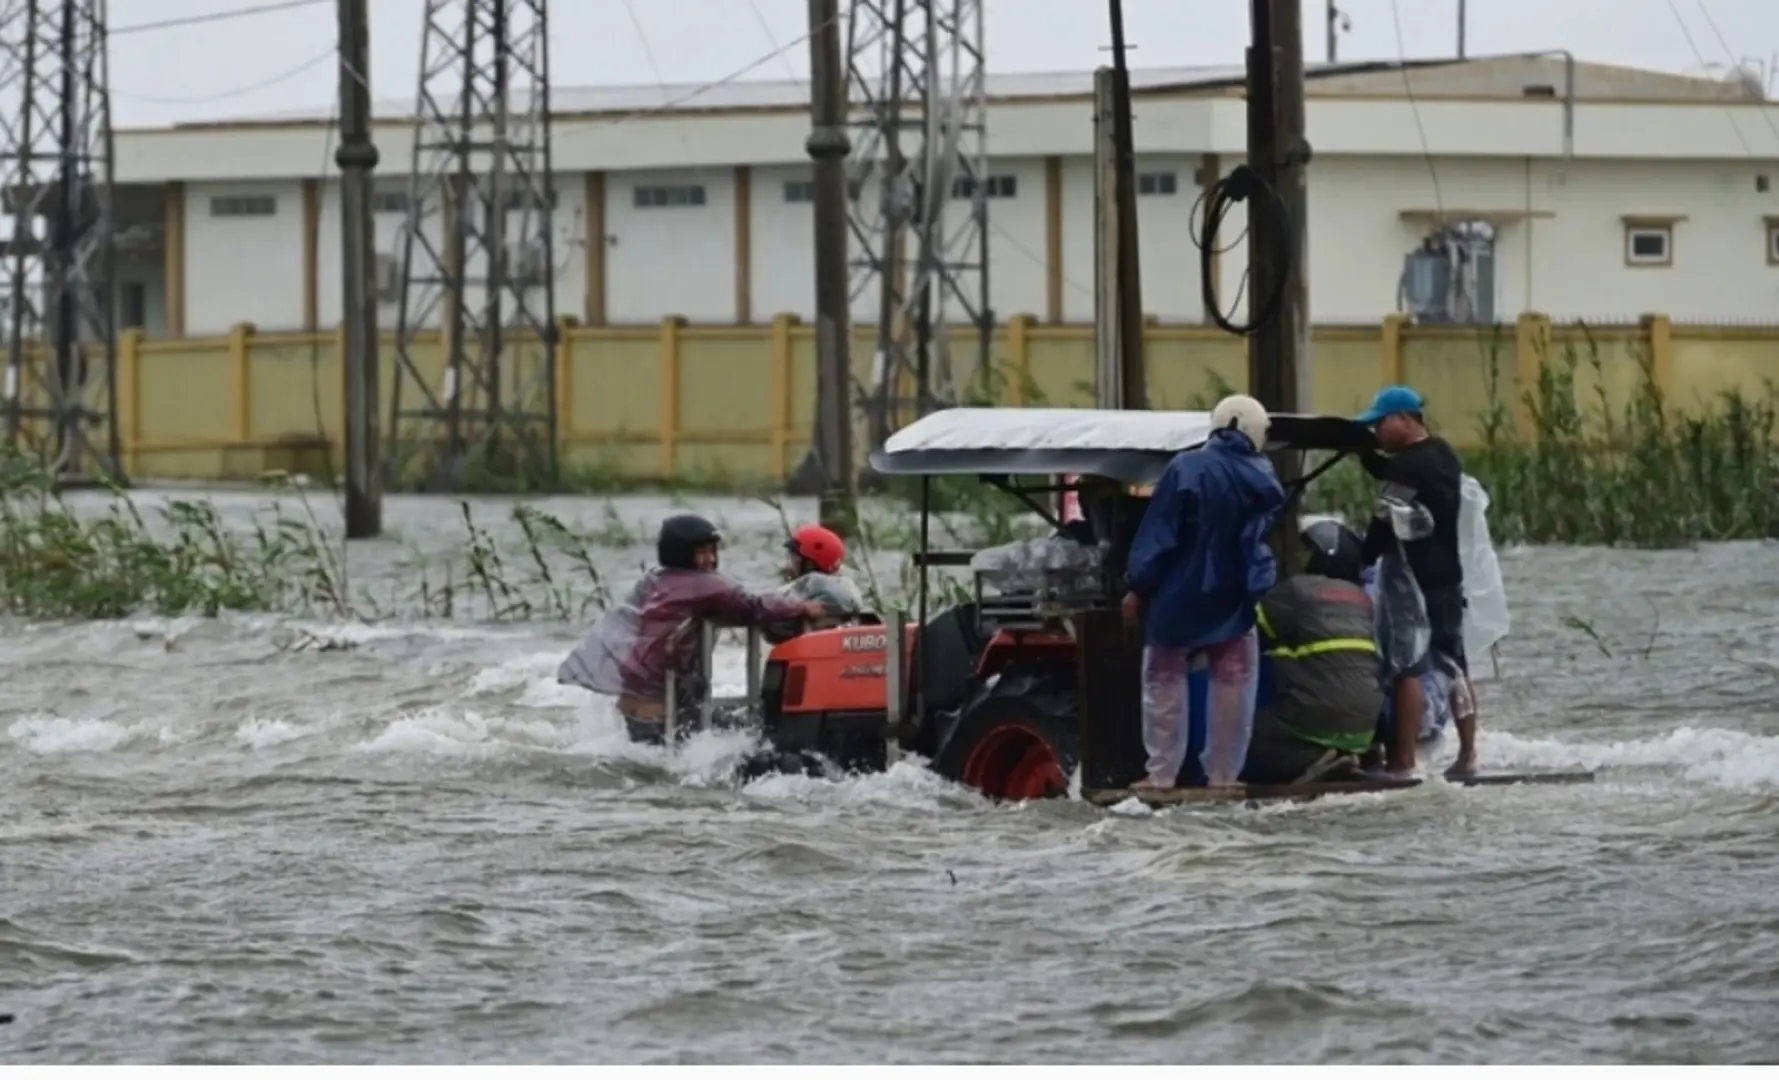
691	402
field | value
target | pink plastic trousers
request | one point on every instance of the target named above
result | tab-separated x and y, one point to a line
1235	681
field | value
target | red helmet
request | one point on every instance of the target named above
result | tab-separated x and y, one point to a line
822	548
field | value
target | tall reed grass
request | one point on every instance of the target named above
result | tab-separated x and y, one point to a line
1639	473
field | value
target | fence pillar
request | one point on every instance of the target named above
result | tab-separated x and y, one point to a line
129	396
1391	369
563	361
1531	340
1019	360
669	421
241	382
780	401
1658	338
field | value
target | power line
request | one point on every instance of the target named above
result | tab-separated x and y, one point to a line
216	16
239	91
1731	54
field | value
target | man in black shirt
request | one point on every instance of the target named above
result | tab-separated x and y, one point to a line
1423	468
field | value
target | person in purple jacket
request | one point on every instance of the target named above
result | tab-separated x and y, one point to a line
635	648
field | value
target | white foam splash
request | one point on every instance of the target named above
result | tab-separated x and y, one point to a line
43	733
1716	757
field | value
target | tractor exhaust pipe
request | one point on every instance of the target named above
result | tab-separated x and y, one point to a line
895	686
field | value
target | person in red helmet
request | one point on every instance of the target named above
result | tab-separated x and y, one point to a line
814	549
815	556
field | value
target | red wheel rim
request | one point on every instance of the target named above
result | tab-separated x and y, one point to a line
1012	761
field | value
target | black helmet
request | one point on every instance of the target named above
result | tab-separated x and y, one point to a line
681	536
1334	551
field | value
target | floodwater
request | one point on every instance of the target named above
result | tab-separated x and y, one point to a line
281	840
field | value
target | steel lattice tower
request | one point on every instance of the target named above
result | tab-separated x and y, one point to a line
478	253
915	80
59	313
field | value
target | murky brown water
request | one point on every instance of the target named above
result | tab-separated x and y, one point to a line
214	847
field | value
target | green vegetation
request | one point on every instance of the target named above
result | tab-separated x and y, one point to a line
1642	473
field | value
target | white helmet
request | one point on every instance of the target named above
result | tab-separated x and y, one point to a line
1244	414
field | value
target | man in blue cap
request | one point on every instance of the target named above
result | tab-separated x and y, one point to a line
1420	467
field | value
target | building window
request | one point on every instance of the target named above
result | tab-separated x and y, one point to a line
1649	244
243	206
1773	241
389	202
993	187
664	195
1157	183
803	191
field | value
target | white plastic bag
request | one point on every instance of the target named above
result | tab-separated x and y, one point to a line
1485	613
1051	562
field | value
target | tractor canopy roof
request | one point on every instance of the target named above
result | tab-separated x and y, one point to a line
1129	446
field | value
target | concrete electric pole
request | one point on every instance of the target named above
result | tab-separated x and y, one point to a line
828	147
59	308
1132	388
1278	350
478	257
357	158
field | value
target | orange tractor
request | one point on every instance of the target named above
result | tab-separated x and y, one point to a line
1035	675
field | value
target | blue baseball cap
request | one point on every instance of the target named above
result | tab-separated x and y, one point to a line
1390	401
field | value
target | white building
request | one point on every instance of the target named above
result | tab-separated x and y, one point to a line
1638	192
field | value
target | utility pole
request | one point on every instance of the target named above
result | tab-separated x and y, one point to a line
478	265
1463	25
1332	18
1278	351
828	146
357	158
60	298
1133	389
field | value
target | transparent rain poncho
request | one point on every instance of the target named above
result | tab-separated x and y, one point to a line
838	594
631	649
842	599
1404	633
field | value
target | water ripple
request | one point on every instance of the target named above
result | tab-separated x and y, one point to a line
415	847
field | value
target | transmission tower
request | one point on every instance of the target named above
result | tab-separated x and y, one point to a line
58	308
478	255
916	83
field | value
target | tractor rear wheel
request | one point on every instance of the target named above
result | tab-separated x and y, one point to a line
1017	742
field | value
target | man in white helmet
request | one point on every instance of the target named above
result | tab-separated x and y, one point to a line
1198	566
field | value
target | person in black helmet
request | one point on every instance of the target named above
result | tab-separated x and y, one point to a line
636	647
1316	627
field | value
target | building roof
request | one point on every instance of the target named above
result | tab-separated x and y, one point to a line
1508	77
764	94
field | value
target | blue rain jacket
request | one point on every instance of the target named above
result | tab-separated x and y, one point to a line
1200	560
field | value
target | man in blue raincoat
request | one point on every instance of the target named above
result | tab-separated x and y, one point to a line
1198	566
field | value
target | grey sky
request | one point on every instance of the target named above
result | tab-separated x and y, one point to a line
211	71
